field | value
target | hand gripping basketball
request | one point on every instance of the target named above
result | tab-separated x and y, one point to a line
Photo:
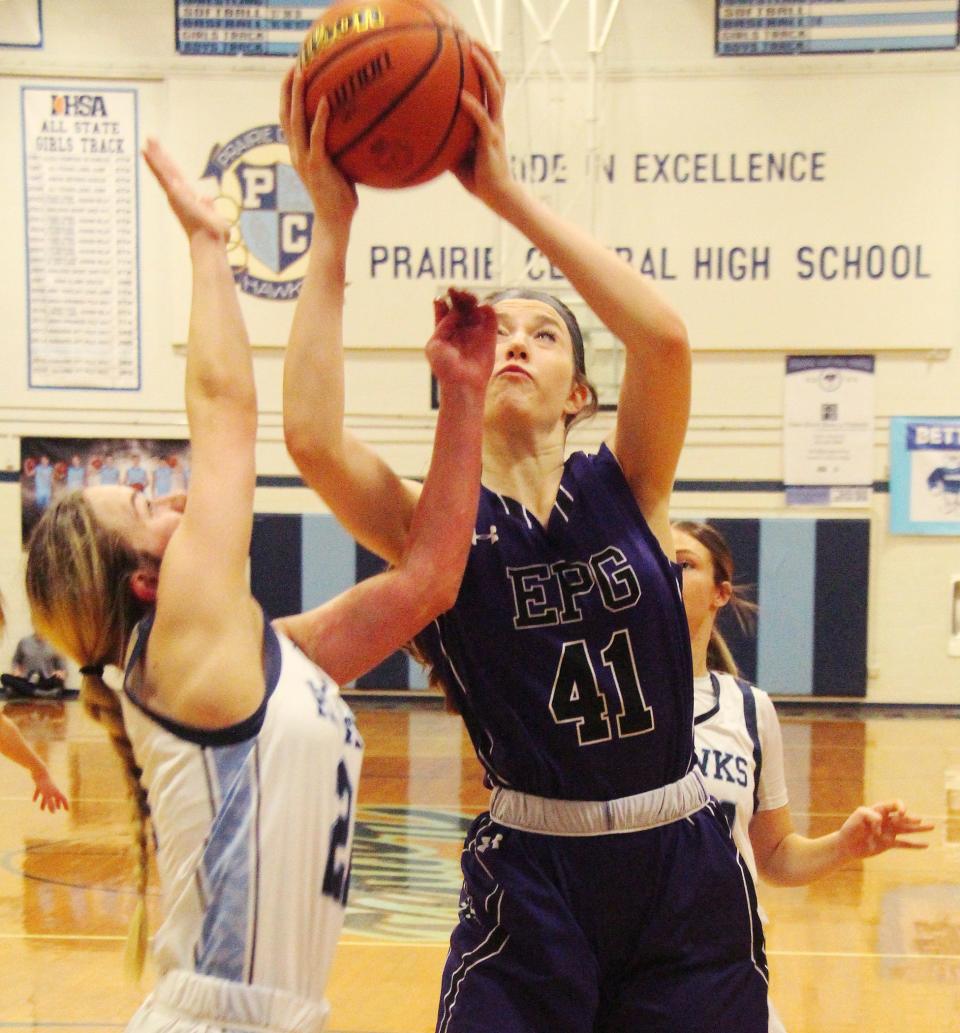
392	73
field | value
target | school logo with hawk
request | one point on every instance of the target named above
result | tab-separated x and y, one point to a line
269	211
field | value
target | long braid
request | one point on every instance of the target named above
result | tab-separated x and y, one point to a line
78	585
103	705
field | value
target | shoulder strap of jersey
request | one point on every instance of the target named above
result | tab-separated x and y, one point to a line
750	720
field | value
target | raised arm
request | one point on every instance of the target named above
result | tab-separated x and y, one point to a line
655	393
353	632
368	498
207	628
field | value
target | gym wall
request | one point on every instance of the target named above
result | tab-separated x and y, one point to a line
853	248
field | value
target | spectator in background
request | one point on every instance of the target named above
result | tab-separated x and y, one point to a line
38	670
14	747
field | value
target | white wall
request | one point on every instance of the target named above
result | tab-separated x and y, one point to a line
887	129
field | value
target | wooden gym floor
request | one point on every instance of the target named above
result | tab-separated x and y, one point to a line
874	947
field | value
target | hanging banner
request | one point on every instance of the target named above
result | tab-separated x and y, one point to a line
925	475
834	26
828	430
81	171
778	229
273	28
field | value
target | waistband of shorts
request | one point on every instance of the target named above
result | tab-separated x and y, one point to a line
551	817
238	1006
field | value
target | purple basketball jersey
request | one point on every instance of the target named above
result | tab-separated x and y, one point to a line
568	648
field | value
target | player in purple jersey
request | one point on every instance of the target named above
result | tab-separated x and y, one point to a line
602	891
231	727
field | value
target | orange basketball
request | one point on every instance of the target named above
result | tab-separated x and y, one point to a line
392	73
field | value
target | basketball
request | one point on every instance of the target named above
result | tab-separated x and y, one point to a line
392	73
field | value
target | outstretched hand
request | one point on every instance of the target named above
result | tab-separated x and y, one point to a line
46	791
333	196
461	351
873	830
485	169
197	214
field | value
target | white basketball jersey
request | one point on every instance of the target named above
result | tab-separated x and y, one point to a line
253	827
739	751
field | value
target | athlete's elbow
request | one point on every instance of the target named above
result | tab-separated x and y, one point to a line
675	344
308	448
434	588
663	349
445	597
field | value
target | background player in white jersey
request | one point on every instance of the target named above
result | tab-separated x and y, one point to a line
567	649
232	731
739	749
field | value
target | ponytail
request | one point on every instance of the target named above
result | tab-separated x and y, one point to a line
103	705
719	657
78	587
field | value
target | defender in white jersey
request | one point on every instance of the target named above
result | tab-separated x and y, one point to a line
235	742
739	748
235	813
739	751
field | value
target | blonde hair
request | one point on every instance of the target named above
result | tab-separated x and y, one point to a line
719	657
78	587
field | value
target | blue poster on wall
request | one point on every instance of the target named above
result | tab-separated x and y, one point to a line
925	475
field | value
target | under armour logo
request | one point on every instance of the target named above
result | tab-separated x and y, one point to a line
491	537
489	843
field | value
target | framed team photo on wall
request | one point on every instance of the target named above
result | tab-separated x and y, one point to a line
50	467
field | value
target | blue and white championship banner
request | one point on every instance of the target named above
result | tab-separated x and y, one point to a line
834	26
925	475
245	28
